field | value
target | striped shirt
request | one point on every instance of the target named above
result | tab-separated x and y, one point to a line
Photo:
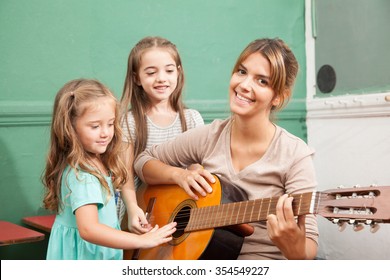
157	135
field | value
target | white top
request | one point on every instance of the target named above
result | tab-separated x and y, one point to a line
158	134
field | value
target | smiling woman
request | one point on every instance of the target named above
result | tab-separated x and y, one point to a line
252	156
249	86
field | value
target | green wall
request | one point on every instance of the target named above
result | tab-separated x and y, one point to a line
352	37
48	42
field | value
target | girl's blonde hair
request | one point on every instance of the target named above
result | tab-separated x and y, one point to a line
284	66
134	97
71	102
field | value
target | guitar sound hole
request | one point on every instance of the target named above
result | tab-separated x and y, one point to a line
181	215
181	219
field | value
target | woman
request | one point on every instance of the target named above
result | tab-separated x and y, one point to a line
250	152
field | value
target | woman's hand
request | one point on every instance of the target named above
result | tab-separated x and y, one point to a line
194	180
288	235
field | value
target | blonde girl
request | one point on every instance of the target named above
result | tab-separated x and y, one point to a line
83	168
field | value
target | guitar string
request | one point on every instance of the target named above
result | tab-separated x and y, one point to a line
212	220
184	213
209	224
307	202
317	200
319	197
243	218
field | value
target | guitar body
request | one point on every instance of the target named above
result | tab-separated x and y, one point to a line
173	204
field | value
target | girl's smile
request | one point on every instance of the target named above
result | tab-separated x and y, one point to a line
158	74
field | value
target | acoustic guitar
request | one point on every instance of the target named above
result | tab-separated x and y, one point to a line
210	229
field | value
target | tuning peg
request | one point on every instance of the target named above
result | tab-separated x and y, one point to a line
351	221
335	221
374	227
368	222
356	186
358	227
342	226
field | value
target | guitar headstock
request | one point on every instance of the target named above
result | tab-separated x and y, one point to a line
356	206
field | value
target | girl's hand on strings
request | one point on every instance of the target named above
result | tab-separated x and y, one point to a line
137	222
157	236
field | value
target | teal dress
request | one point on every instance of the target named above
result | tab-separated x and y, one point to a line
65	242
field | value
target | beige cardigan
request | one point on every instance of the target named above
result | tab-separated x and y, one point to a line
286	167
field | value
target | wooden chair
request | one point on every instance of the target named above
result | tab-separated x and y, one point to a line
11	233
40	222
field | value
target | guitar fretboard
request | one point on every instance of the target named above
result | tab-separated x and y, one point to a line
246	211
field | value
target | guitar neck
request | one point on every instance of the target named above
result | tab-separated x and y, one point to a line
246	211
